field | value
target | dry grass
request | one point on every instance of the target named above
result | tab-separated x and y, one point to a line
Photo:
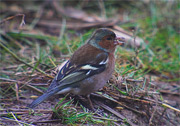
144	89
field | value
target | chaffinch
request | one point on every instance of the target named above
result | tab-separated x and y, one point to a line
89	68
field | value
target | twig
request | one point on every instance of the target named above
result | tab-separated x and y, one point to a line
78	26
15	119
34	88
17	113
152	115
5	79
21	111
133	80
136	99
115	113
17	58
52	61
10	81
48	121
7	72
103	118
25	83
17	91
15	66
9	18
38	84
169	92
72	13
5	83
165	105
111	99
150	101
18	121
27	110
170	107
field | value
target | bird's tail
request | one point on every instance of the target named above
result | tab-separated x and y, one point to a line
40	99
45	96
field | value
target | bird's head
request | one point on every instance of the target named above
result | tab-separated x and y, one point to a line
105	39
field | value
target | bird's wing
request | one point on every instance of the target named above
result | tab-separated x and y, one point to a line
71	73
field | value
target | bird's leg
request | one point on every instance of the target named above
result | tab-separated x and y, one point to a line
91	105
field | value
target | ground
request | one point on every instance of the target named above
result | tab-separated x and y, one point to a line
36	37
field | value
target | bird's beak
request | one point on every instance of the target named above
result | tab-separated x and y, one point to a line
119	41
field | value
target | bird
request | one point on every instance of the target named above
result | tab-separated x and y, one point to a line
88	69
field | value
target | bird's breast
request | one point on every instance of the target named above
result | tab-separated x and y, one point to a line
96	81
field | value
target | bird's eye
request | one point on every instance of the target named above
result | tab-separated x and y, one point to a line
109	38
